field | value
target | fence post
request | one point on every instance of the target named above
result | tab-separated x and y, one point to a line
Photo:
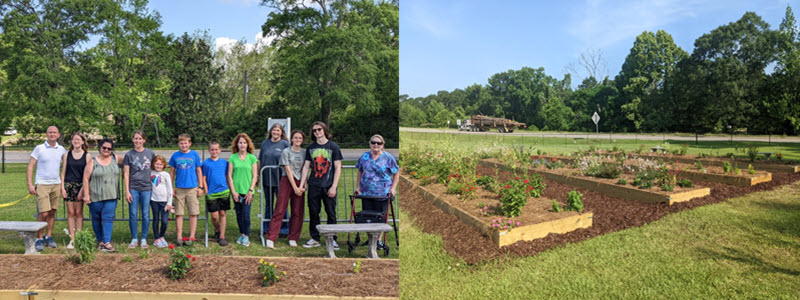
4	159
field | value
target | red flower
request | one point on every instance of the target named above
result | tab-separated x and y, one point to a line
525	181
516	178
194	258
508	186
171	247
188	256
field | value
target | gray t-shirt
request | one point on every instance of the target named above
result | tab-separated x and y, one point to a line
270	155
139	163
294	160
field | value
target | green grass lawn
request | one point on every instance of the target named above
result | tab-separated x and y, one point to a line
747	247
13	186
790	151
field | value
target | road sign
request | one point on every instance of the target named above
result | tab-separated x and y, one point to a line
595	119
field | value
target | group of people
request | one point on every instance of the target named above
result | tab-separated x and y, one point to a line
313	173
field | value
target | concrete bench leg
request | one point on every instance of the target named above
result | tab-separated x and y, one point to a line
329	245
30	242
373	245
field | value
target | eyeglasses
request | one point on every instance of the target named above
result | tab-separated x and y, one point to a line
316	129
107	148
376	143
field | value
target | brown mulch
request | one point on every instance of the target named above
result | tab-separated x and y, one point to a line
209	274
610	214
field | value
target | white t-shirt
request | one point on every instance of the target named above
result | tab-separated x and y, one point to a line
48	163
162	187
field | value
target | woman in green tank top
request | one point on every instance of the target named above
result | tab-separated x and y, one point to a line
101	181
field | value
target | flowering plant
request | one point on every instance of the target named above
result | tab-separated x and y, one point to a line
504	224
180	263
514	195
269	272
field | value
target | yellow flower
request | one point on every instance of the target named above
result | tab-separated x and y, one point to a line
265	277
261	261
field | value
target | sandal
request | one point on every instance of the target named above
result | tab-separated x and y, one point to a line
100	246
108	248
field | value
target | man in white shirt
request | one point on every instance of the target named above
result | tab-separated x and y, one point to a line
47	160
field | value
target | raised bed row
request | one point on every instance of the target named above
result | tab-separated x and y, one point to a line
611	189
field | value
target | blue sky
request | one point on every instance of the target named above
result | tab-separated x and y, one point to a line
446	45
226	20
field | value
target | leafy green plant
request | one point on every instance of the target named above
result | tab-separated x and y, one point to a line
752	152
699	166
270	274
737	171
144	255
750	169
556	207
730	155
574	201
554	164
727	167
637	181
487	182
684	149
180	262
127	259
647	184
85	245
641	149
779	155
622	182
683	182
356	267
514	195
667	187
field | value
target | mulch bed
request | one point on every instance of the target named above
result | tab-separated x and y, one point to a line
610	214
209	274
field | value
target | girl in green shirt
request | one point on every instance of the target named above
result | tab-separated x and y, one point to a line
242	179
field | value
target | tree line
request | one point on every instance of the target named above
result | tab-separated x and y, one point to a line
335	61
741	75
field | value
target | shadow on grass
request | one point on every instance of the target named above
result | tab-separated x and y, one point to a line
737	255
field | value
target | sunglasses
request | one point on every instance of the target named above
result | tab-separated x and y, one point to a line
107	148
316	129
376	143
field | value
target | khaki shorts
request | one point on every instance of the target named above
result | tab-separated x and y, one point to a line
186	198
47	196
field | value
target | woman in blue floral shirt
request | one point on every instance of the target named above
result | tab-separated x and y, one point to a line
377	171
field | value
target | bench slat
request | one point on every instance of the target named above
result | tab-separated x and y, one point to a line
328	228
21	225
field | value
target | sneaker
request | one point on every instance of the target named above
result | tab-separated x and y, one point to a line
223	242
311	244
39	245
144	244
133	244
270	244
71	244
292	243
190	242
335	245
49	241
179	242
239	240
245	241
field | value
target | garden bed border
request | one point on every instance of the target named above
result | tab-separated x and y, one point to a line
132	295
507	237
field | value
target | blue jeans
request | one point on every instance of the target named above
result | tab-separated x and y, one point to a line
103	219
242	215
159	218
140	201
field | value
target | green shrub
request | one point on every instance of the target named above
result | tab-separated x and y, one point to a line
574	201
683	182
727	167
751	170
667	187
622	182
752	152
637	181
556	207
85	245
604	170
646	185
737	171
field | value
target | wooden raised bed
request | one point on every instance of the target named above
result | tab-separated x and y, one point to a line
738	180
98	295
615	190
561	222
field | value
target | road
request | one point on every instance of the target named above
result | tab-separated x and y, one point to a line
618	136
18	156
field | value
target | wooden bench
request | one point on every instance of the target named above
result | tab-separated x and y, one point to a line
28	231
373	230
766	154
656	148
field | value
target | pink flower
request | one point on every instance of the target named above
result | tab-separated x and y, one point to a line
517	223
505	227
509	222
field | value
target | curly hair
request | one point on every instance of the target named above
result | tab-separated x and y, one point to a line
235	146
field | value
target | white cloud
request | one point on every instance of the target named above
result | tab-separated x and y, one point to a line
226	43
599	23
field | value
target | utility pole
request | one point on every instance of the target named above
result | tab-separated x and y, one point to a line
246	88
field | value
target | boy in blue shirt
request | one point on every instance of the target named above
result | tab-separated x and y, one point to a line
185	168
218	195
